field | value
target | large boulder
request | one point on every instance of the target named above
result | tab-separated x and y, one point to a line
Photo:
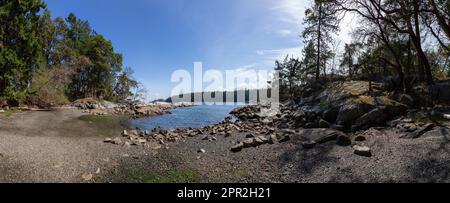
407	100
438	133
391	107
331	114
440	91
374	118
319	135
350	112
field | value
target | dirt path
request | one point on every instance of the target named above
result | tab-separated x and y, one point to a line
59	147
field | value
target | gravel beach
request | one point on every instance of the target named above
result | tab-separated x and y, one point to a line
57	146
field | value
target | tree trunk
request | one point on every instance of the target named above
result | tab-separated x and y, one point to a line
424	65
440	19
319	37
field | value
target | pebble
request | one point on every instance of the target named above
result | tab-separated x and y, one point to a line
362	151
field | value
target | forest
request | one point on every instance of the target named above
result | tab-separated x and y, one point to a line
49	61
403	42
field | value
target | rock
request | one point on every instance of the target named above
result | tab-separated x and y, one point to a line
264	139
440	133
134	132
125	133
446	116
338	127
228	134
267	121
142	141
422	130
257	142
117	141
407	99
298	114
327	137
273	139
330	115
108	140
201	151
87	177
310	125
238	147
285	138
288	131
308	144
349	113
409	127
250	136
249	142
343	140
205	138
323	124
319	135
360	138
362	151
373	118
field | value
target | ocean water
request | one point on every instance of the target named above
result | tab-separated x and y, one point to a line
188	117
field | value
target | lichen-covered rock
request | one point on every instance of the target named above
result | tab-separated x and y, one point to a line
350	112
376	117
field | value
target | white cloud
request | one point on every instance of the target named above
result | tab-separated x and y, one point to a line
277	54
290	11
291	14
285	32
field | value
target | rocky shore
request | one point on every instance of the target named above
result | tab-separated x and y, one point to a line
344	134
133	109
343	115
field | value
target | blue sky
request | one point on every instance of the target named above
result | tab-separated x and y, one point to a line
158	37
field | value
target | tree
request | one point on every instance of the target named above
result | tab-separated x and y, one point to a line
348	58
20	47
309	62
125	84
289	70
47	61
402	16
321	22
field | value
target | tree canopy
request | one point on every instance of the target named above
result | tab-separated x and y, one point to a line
65	58
405	40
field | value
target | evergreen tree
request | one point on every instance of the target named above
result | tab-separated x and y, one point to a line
321	22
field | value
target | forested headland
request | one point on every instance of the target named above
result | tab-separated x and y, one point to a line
403	42
49	61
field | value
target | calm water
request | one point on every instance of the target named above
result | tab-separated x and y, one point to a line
194	117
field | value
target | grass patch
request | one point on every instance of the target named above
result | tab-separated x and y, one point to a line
105	125
10	112
386	101
172	176
367	100
420	117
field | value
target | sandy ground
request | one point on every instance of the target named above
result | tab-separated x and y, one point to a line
55	147
58	147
